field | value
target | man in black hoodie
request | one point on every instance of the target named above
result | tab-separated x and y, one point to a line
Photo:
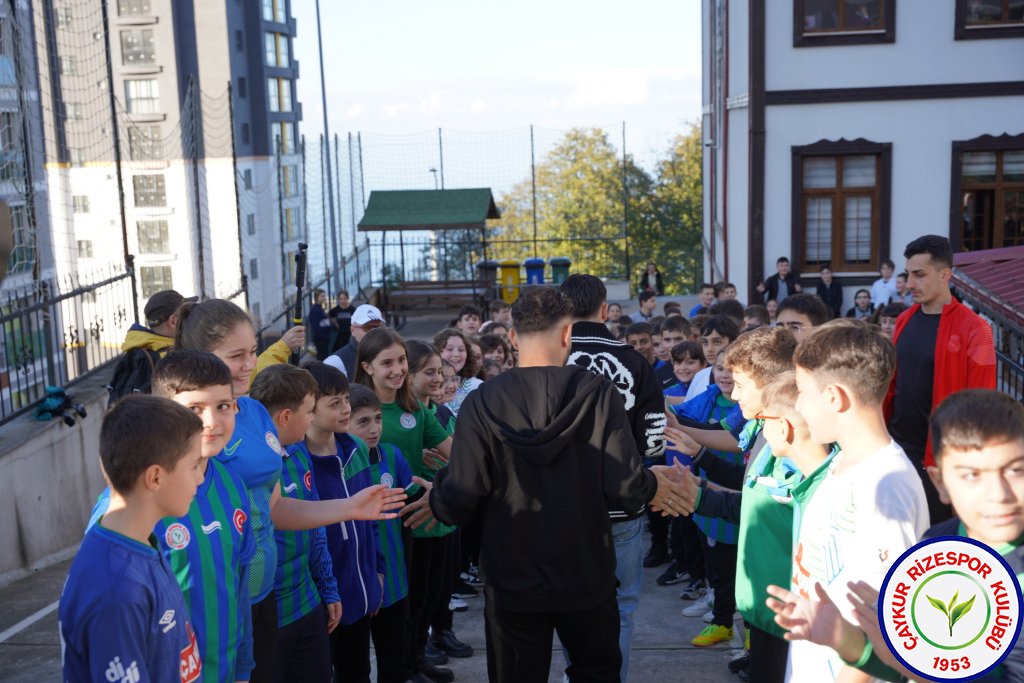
540	455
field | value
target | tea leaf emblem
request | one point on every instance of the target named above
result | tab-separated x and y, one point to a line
954	612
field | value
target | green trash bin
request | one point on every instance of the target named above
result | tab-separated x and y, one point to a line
510	280
560	269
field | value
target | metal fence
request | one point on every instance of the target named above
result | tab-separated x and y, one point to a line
1007	333
58	333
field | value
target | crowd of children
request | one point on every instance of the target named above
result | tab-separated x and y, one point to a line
250	529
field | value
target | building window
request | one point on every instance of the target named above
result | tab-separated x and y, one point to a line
84	248
68	66
62	17
23	255
138	47
243	88
246	136
279	92
250	223
240	41
989	19
274	10
841	201
276	49
289	181
142	96
76	156
150	191
843	22
247	178
256	313
988	191
291	226
155	279
254	272
144	143
284	138
133	8
153	237
72	111
80	203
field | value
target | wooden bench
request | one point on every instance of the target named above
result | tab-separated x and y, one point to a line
425	295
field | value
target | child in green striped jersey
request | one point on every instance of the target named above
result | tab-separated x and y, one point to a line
390	626
308	603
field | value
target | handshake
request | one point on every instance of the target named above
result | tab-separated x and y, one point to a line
677	492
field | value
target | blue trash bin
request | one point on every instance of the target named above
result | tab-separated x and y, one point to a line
534	271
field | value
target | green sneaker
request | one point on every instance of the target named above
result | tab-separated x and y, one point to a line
712	635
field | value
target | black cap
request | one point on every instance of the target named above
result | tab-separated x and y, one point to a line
163	305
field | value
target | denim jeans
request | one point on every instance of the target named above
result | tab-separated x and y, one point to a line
629	571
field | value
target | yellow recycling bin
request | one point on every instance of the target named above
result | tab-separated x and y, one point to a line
510	280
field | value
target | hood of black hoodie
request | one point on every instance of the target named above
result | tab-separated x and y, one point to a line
537	411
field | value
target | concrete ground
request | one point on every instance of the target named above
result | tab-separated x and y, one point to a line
30	650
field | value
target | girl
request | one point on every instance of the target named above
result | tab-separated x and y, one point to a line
448	389
861	306
382	364
255	454
494	347
455	348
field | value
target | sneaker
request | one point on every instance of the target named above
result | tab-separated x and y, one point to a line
452	645
740	663
457	604
464	590
709	616
656	556
470	579
672	575
712	635
435	673
694	590
700	606
434	655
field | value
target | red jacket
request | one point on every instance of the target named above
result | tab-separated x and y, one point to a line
965	357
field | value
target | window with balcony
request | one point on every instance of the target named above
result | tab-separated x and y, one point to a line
284	137
291	226
80	203
843	22
84	248
841	199
150	191
145	143
275	10
142	96
153	237
138	48
279	94
289	181
155	279
276	49
988	190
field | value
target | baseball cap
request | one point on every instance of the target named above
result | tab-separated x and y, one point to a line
366	314
163	305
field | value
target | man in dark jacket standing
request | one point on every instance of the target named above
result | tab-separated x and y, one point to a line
540	455
595	349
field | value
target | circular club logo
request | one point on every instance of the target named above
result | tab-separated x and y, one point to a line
307	480
274	444
238	518
177	536
387	480
408	420
950	609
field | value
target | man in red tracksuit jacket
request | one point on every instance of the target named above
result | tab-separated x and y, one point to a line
941	347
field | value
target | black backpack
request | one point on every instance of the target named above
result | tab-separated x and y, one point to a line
133	374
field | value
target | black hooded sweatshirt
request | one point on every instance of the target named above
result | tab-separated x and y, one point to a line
539	457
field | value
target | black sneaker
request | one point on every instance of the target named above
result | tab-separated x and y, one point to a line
434	655
739	664
435	673
656	556
694	590
452	645
464	590
672	575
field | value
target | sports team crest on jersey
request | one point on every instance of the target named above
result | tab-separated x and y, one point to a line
274	444
408	420
387	480
191	665
307	479
239	518
177	536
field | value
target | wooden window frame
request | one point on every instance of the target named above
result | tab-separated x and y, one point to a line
881	230
985	143
872	36
983	31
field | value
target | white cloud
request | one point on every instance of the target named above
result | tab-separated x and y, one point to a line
355	111
613	87
430	104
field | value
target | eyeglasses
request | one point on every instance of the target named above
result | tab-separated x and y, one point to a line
762	416
792	326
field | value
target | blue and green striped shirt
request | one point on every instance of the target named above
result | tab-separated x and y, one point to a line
389	467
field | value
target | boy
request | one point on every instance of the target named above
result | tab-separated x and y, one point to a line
341	468
501	312
687	361
884	288
211	569
122	615
870	505
728	292
903	294
388	466
830	292
707	297
638	335
674	331
308	603
782	284
469	320
755	316
800	314
716	334
979	452
648	302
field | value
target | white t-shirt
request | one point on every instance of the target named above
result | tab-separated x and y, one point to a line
882	292
334	361
853	528
699	384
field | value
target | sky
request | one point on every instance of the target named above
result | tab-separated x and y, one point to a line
405	66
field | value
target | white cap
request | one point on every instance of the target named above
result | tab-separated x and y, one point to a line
366	314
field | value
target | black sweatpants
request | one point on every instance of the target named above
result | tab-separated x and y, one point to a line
426	581
264	639
722	577
442	619
692	548
304	650
350	652
519	643
390	630
768	655
659	529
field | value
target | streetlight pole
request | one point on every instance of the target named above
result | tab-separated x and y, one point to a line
333	268
434	171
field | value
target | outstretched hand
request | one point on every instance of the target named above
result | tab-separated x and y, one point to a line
434	459
817	621
678	440
864	599
419	513
295	337
375	502
677	490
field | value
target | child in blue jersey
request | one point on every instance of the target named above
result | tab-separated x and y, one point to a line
687	361
390	626
255	455
210	548
341	468
122	615
308	603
